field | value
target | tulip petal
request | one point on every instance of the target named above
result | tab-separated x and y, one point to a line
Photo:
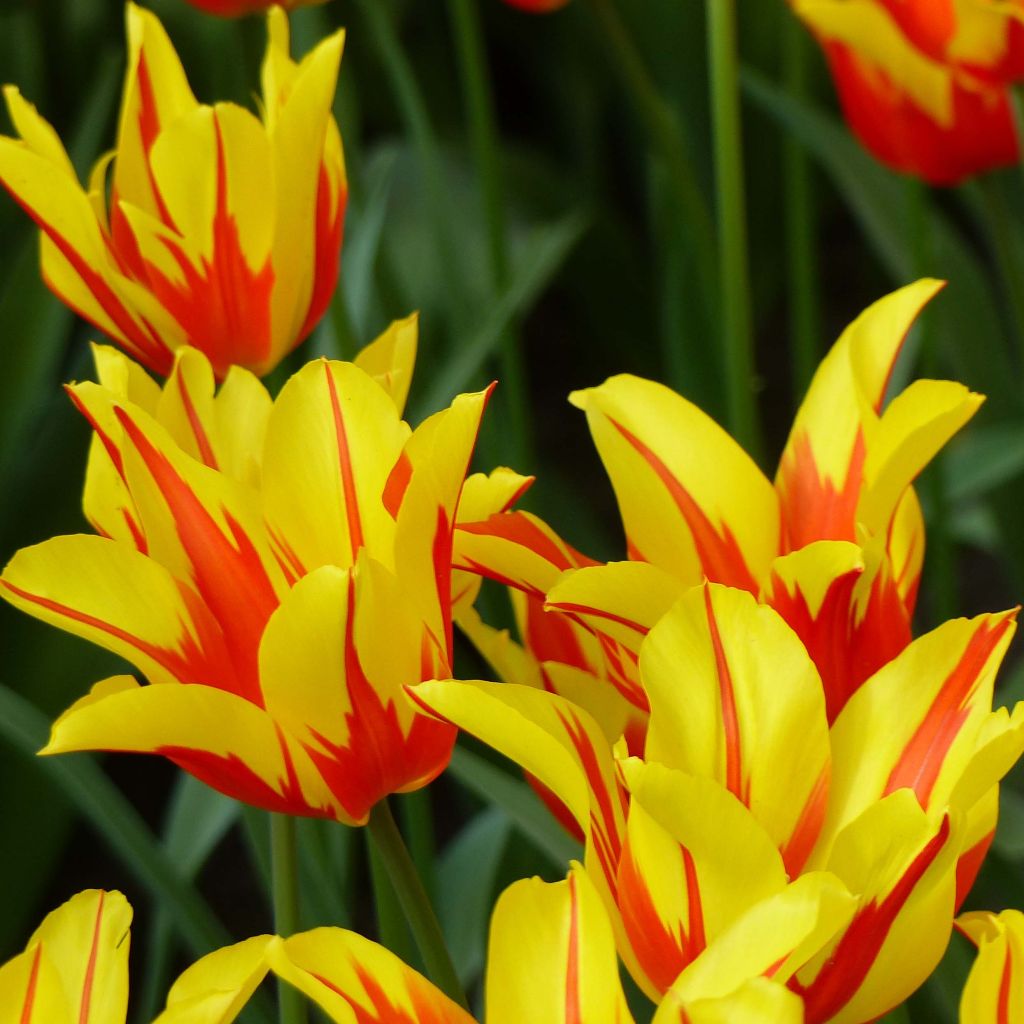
391	358
356	981
916	722
680	883
223	740
902	864
115	597
752	715
216	988
995	986
821	470
322	508
756	1001
552	956
692	501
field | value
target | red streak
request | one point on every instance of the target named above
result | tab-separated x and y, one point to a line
720	555
348	483
923	757
730	720
196	425
90	969
30	992
1003	1006
573	1010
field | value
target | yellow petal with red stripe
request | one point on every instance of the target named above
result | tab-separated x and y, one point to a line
994	993
681	884
622	600
774	938
156	93
916	723
554	741
517	549
115	597
485	494
912	430
821	470
322	508
391	358
356	981
752	713
438	455
901	864
757	1001
304	148
75	967
224	740
692	501
216	988
552	956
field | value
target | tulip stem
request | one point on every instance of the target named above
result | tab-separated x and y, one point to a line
804	311
285	873
479	98
415	903
734	273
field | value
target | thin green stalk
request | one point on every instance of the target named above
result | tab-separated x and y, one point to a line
413	898
392	929
667	139
734	273
285	869
418	820
801	222
1000	224
479	98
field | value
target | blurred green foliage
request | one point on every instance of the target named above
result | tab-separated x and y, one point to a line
605	271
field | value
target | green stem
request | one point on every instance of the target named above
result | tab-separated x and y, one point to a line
666	134
413	898
478	92
285	870
734	274
392	930
804	306
999	221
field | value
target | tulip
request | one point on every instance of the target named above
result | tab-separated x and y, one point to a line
835	545
75	971
748	815
223	231
551	958
994	993
276	571
924	86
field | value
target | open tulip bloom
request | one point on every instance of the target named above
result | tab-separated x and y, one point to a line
223	231
277	571
925	84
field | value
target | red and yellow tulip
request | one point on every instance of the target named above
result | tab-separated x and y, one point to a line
994	993
748	816
924	84
251	557
551	959
75	971
223	230
835	545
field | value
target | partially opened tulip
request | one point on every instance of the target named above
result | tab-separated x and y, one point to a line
835	545
551	959
223	230
994	993
925	85
75	971
839	853
277	572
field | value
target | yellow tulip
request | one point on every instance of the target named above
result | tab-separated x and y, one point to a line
223	230
994	993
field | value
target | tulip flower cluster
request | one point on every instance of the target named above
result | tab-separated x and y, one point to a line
784	796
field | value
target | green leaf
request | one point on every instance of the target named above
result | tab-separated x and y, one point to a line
533	268
102	804
519	802
985	458
466	879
